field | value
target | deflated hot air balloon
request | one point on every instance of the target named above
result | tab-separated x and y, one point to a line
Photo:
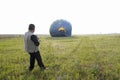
60	28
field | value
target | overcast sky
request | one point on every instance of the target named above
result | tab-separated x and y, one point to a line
85	16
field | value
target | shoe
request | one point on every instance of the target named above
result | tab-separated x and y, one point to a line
44	68
30	69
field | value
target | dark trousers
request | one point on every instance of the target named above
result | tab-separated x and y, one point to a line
37	56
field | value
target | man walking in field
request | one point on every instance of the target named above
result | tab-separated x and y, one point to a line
32	47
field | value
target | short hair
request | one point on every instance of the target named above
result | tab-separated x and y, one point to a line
31	26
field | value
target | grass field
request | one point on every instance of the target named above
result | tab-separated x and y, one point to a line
85	57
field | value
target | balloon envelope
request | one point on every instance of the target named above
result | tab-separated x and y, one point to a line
60	28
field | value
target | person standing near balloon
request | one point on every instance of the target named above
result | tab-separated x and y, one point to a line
32	47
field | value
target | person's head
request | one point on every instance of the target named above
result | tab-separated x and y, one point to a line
31	27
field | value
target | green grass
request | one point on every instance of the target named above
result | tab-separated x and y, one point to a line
85	57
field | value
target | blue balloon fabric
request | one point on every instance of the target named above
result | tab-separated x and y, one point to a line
60	28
